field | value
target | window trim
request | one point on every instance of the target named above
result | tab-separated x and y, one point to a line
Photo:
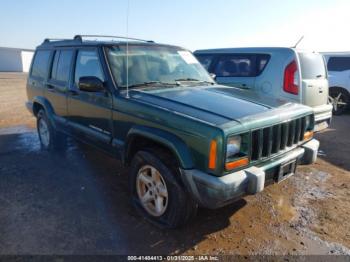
55	51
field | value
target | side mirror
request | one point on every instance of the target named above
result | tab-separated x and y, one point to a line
213	76
90	84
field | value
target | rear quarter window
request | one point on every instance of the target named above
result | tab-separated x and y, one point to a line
338	64
241	65
312	66
205	60
40	65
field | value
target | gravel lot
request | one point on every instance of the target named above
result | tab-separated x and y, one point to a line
76	202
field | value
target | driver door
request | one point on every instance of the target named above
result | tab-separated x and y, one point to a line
89	113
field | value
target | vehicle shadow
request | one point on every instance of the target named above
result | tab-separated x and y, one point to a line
334	142
145	237
76	201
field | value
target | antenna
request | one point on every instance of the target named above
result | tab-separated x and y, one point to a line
297	43
127	49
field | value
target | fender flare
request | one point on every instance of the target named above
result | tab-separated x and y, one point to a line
176	145
50	113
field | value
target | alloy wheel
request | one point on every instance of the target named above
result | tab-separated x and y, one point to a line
152	190
44	132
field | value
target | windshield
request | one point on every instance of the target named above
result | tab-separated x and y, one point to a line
155	64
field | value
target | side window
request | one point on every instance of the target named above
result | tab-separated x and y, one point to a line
40	64
205	60
63	65
262	61
338	64
241	65
236	66
87	64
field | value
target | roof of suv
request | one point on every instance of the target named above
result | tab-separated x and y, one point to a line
79	41
345	53
251	50
243	49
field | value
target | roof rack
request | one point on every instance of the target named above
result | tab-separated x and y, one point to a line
80	38
49	40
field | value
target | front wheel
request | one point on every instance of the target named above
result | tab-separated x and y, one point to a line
49	138
157	193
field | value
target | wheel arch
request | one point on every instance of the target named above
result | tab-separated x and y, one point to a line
42	103
339	88
140	137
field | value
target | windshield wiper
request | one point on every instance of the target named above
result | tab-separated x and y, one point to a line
194	80
152	83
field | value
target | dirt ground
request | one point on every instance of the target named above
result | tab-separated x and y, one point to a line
76	202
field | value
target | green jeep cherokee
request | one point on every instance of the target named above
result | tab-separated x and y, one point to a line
188	141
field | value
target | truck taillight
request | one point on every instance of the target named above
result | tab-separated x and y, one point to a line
291	79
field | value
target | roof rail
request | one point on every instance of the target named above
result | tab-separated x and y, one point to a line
49	40
80	38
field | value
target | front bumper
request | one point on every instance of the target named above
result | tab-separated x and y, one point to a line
323	116
213	192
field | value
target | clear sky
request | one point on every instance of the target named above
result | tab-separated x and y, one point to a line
193	24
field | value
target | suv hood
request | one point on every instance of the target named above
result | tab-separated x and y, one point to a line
205	103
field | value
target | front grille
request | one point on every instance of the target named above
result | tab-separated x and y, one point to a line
271	140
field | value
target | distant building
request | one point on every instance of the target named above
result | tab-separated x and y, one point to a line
15	59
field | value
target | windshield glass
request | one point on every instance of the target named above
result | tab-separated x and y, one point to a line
155	64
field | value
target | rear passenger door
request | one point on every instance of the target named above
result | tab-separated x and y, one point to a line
39	72
58	82
237	70
90	112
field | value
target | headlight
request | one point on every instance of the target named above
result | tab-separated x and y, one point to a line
233	146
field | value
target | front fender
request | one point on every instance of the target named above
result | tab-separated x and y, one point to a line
176	145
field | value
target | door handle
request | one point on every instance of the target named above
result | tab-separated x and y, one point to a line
245	86
51	88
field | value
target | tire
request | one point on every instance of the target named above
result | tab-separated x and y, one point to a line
340	99
49	138
177	207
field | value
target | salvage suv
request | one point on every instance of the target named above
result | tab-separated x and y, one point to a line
261	73
187	141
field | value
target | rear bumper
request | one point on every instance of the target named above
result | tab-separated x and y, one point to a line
213	192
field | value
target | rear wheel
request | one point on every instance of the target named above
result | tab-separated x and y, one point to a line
340	100
49	138
157	193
